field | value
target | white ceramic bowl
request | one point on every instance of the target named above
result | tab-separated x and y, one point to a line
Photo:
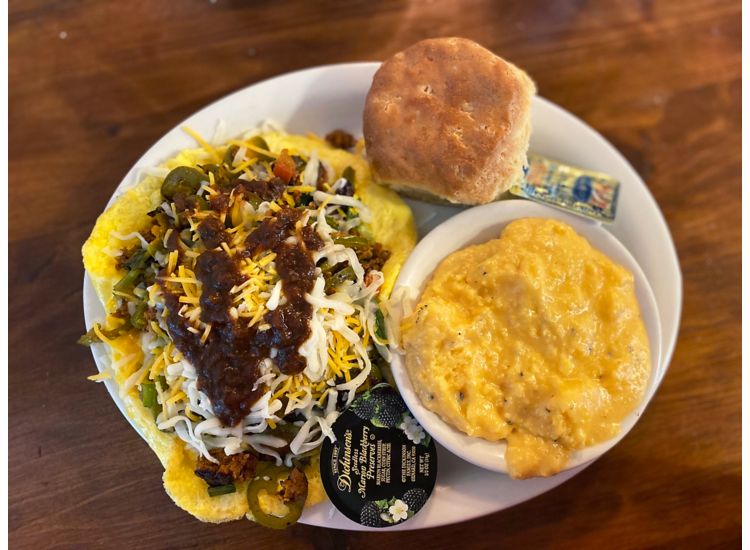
478	225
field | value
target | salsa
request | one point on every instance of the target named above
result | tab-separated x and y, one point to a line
228	361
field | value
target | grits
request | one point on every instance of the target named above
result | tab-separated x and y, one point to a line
534	338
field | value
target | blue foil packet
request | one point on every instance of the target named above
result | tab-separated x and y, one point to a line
583	192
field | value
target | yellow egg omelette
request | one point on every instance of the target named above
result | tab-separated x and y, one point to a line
242	285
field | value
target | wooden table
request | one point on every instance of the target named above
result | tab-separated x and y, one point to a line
94	84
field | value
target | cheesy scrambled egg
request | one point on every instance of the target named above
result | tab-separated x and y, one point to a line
534	338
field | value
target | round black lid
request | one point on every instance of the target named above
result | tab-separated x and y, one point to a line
381	469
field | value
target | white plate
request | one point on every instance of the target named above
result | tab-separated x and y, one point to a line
329	97
478	225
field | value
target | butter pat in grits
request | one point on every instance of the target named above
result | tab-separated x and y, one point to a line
535	338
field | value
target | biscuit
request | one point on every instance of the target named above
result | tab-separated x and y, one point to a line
447	120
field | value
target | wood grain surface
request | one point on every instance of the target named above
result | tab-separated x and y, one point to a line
94	84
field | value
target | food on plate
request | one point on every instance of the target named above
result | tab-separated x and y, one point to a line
241	284
535	338
448	120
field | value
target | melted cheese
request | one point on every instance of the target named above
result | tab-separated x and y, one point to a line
535	338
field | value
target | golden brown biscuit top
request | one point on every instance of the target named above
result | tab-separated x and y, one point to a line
440	113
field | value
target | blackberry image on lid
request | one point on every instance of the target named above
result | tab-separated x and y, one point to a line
382	467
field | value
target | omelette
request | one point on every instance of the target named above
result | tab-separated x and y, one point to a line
243	285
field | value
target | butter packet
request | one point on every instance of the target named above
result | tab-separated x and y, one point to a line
582	192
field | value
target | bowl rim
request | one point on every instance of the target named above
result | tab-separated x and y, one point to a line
472	226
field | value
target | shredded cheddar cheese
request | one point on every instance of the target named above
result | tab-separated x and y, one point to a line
337	352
